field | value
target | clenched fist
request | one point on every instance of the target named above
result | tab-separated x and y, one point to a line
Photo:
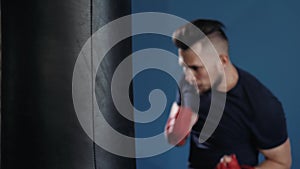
231	162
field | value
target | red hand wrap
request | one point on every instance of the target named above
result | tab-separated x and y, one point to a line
233	164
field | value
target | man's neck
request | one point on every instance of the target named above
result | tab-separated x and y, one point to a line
230	80
232	77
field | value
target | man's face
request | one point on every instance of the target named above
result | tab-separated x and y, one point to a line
196	69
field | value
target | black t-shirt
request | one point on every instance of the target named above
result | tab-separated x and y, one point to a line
252	119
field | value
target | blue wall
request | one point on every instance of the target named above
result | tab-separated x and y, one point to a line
263	40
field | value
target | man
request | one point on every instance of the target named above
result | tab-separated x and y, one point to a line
253	120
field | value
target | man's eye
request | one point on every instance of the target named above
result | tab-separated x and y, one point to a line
195	68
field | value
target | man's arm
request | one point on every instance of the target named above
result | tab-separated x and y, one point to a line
277	158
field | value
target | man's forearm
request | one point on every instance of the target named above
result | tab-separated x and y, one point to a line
269	164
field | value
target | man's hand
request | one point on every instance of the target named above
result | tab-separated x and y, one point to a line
231	162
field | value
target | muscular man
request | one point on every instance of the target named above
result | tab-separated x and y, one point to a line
253	120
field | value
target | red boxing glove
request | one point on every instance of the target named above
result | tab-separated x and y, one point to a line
231	162
179	124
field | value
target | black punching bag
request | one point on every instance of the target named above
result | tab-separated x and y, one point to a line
41	40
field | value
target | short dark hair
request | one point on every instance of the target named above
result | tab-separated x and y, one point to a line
190	35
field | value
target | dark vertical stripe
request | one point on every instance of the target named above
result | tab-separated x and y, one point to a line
93	86
105	11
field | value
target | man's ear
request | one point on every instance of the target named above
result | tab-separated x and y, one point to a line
224	59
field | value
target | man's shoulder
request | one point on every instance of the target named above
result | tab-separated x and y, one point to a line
250	82
247	78
255	90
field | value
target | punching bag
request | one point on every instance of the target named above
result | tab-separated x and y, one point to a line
41	40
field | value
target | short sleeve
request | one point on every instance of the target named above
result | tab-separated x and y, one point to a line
269	123
266	116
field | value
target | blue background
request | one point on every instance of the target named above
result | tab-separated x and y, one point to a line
264	40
